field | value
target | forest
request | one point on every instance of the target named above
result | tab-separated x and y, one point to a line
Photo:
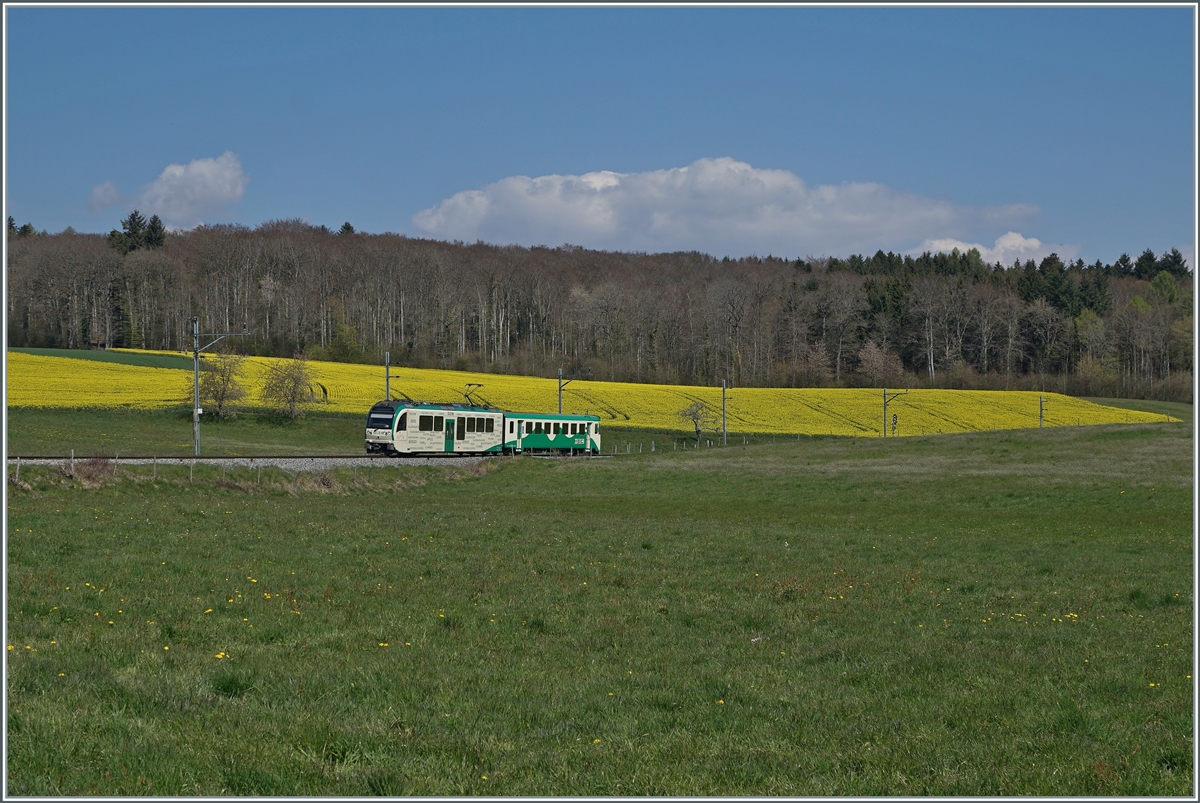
946	320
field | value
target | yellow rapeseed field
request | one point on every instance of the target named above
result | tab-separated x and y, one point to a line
37	381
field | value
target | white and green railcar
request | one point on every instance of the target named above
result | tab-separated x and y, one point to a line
396	428
401	427
551	432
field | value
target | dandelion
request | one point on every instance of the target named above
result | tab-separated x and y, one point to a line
209	610
720	702
595	741
383	644
165	647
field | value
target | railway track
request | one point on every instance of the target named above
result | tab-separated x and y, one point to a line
293	463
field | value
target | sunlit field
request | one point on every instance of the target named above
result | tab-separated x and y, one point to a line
991	613
44	381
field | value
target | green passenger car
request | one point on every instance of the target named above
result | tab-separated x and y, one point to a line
551	432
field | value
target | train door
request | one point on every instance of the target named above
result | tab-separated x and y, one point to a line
520	434
449	434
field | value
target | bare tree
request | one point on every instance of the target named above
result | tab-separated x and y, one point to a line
288	386
878	366
843	304
220	388
1046	326
986	302
699	415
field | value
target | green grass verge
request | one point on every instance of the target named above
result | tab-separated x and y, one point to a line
168	433
1178	410
124	358
1003	613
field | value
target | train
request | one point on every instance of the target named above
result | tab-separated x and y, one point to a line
397	428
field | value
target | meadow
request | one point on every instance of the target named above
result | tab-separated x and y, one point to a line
986	613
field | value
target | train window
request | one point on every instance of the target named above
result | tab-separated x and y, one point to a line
490	424
379	421
574	429
470	425
402	424
425	423
462	428
537	427
437	423
510	427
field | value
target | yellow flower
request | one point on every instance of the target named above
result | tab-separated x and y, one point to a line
720	702
785	411
595	741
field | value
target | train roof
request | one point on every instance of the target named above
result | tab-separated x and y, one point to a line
397	404
562	416
420	405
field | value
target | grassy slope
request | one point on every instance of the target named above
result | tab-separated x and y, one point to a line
993	613
122	357
1178	410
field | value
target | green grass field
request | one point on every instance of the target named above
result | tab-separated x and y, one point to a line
1004	613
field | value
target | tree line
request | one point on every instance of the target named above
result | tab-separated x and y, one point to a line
935	320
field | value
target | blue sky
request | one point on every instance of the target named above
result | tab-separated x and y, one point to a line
791	131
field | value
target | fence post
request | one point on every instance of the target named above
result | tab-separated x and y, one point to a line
72	462
154	470
18	468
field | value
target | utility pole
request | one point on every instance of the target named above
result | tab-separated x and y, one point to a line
387	376
724	427
196	349
1041	410
887	399
562	383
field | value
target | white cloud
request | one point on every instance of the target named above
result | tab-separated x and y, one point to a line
1007	248
183	195
103	196
721	206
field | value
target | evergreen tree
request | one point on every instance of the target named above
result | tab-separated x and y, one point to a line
1123	266
156	233
1146	265
132	236
137	233
1173	263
